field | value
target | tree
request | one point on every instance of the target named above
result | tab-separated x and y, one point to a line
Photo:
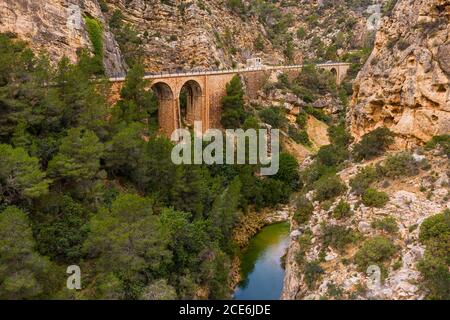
233	113
20	175
131	236
137	102
224	213
156	172
78	158
24	274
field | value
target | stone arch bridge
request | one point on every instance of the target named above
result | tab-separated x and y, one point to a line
205	90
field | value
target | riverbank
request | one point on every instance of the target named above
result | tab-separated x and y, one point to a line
249	225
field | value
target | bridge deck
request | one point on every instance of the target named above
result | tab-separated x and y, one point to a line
227	71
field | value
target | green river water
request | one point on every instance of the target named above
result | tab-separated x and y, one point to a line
262	274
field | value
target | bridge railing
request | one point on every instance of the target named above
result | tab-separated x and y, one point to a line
162	74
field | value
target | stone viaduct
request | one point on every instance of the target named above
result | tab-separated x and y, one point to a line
205	90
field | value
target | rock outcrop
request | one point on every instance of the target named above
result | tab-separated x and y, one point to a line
404	85
58	28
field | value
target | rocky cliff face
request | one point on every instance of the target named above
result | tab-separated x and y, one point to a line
405	83
190	34
57	27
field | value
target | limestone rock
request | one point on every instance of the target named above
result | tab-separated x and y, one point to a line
404	85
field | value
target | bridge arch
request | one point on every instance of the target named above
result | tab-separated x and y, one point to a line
191	99
167	114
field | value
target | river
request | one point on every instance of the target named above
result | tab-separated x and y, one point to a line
261	271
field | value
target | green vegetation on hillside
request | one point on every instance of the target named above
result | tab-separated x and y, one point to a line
95	31
82	183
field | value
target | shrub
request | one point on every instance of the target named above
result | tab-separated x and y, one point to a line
434	226
442	140
273	116
95	31
288	169
399	165
387	224
363	179
338	237
318	114
434	267
373	144
304	211
436	277
375	251
329	187
301	33
312	272
374	198
435	234
339	135
342	210
302	119
300	136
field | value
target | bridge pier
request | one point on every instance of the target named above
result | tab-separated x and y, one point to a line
205	92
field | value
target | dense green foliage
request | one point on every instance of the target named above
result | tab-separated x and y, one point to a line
304	210
387	224
373	144
373	198
95	31
338	237
375	251
85	184
233	113
363	179
342	210
435	235
399	165
443	141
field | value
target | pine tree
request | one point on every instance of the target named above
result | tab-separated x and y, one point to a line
233	113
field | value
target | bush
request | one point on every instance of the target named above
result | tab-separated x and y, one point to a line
318	114
442	140
288	170
375	251
338	237
435	226
275	192
363	179
332	155
95	31
435	234
339	135
434	267
342	210
305	209
436	277
273	116
329	187
299	136
400	165
312	272
374	198
302	119
314	172
373	144
387	224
